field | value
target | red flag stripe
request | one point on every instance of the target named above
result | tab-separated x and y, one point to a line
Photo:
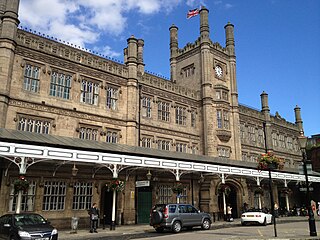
192	13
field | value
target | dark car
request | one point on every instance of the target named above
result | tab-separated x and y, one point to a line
26	226
175	216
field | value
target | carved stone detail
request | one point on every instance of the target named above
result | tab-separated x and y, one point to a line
52	61
66	112
224	135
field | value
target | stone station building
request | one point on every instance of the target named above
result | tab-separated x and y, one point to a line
71	121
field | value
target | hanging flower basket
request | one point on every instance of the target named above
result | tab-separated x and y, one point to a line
21	184
178	188
116	185
224	188
268	161
258	190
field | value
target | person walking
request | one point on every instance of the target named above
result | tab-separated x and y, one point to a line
94	217
229	213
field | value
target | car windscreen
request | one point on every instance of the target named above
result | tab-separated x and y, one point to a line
28	219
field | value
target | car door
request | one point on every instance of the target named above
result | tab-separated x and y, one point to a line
183	214
2	227
194	216
5	230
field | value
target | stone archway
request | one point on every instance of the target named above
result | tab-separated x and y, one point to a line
234	198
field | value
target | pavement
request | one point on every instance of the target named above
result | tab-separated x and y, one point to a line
146	231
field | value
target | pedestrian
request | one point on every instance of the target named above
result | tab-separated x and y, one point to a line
276	210
318	209
94	217
229	213
313	207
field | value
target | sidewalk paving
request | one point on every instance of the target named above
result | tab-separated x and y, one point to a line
140	229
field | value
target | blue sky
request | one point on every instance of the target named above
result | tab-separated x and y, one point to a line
277	41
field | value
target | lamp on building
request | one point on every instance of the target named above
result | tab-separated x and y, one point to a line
74	170
149	175
303	144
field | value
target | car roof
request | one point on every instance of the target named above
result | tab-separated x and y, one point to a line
20	214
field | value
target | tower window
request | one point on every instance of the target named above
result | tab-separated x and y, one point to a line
223	119
188	71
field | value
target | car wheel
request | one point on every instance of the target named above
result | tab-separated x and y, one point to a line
176	227
157	217
264	222
159	229
206	224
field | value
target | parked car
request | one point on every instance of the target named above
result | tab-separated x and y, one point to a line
26	226
176	216
256	216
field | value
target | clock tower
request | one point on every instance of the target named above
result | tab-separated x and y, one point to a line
211	69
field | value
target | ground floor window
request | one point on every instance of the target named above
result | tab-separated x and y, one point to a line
164	194
82	196
27	203
54	196
183	196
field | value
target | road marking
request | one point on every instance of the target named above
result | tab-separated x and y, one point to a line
260	233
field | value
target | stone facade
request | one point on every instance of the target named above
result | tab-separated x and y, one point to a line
52	88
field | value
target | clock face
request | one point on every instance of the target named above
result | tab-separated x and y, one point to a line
218	71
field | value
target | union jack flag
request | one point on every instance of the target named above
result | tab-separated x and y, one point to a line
192	13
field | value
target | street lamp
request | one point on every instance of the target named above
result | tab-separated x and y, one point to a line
270	183
312	224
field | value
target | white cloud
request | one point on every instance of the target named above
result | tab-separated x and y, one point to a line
228	5
143	6
190	3
107	51
83	22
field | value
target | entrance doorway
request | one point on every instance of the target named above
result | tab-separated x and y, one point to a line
144	204
106	205
231	199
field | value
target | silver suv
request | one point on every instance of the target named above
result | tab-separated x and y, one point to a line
175	216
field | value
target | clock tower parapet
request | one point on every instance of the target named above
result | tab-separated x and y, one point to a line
204	26
299	122
229	28
173	52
